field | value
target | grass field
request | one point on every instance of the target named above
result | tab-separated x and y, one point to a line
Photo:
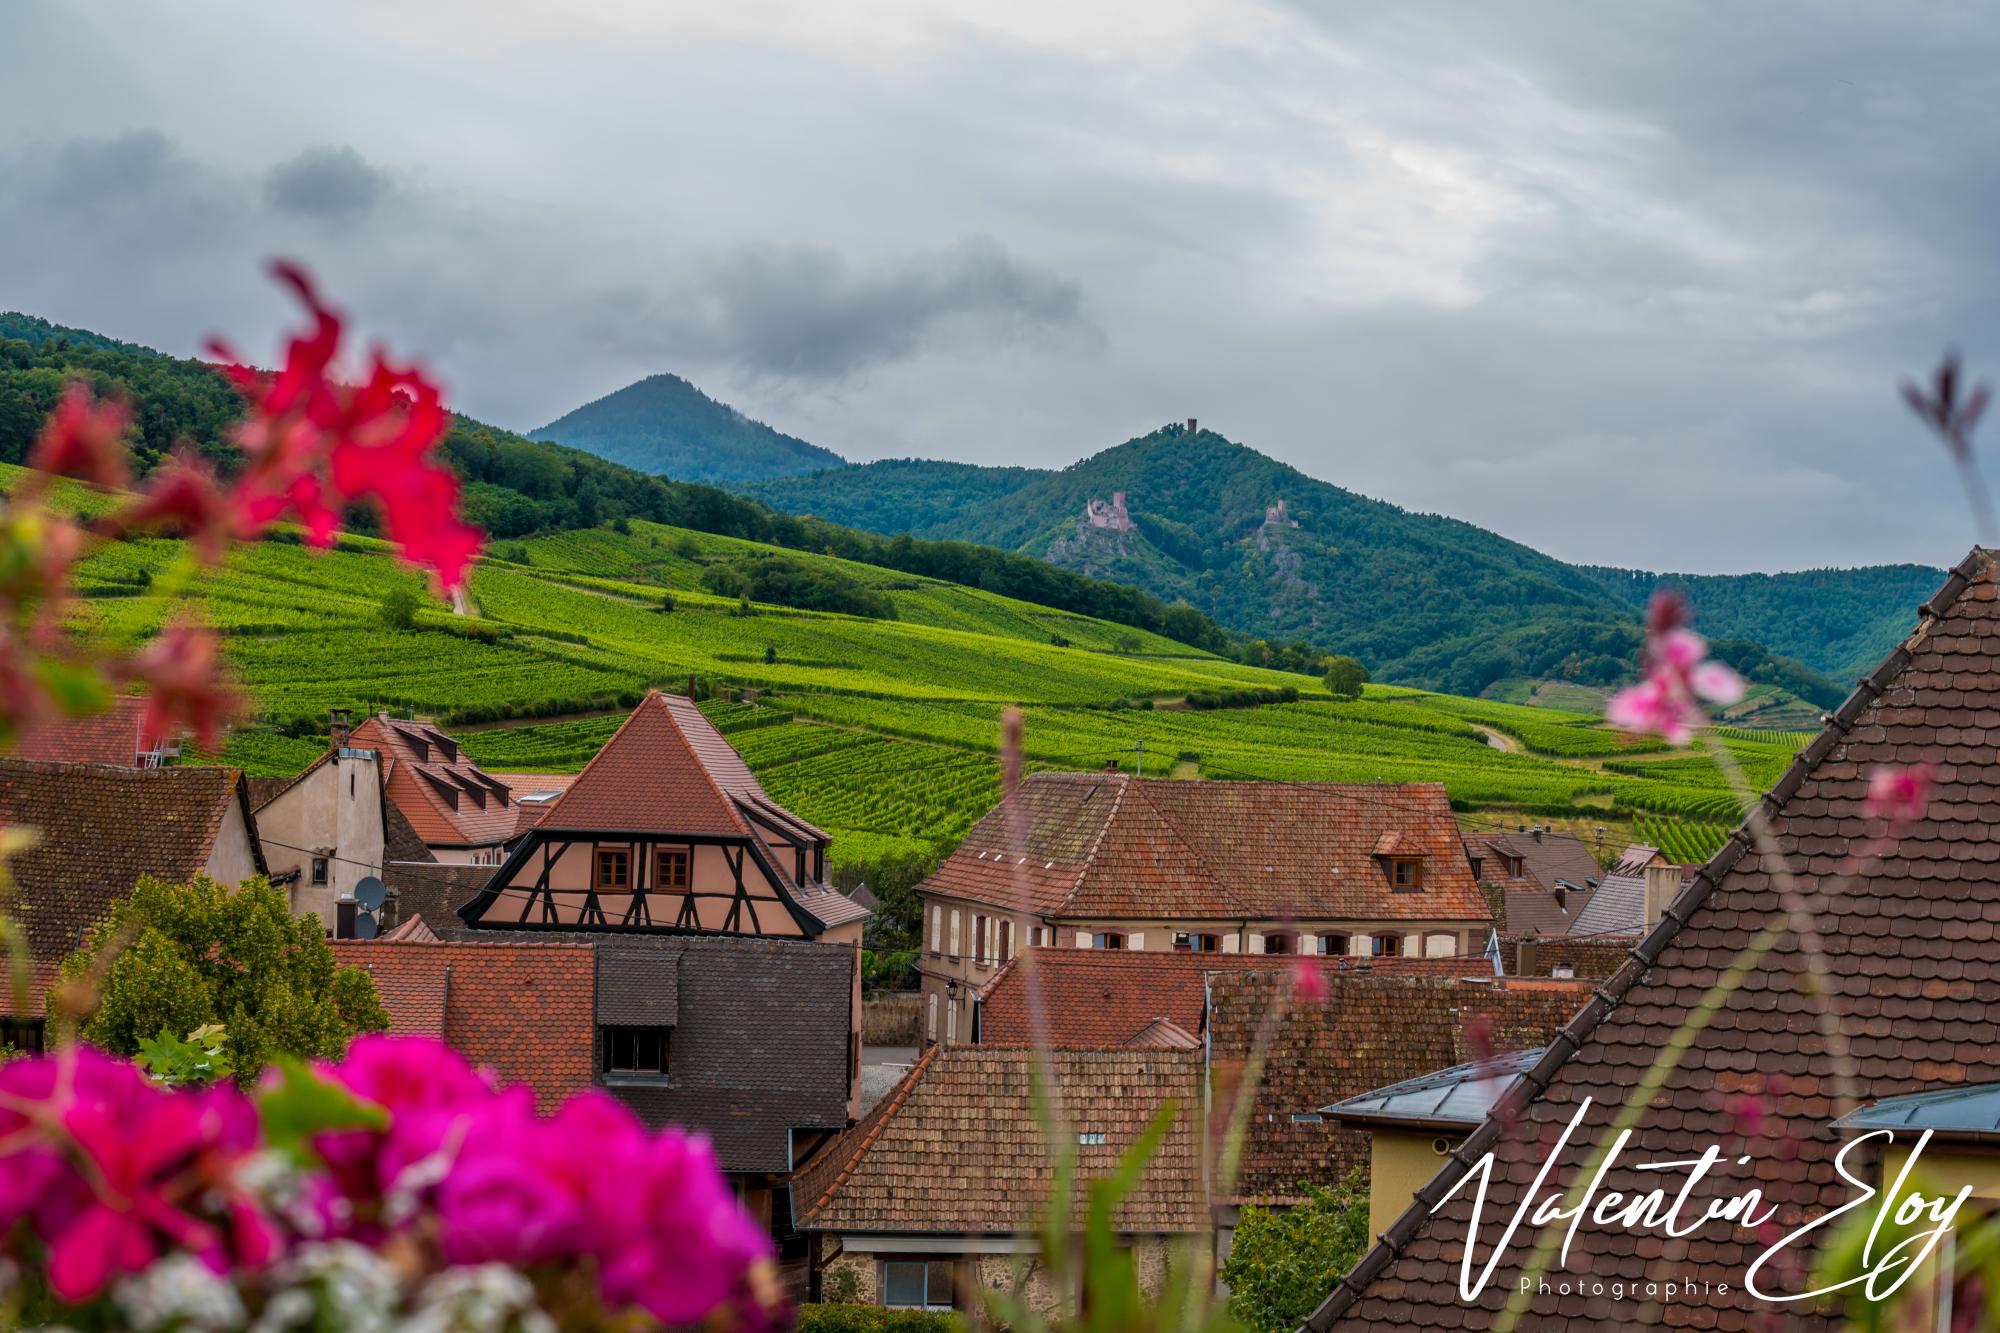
881	731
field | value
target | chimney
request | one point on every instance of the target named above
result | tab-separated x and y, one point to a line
1111	766
1190	425
690	684
1539	830
337	727
1562	897
1524	957
1663	882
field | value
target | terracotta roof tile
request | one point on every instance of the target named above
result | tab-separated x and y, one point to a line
956	1148
1107	844
1109	997
102	828
109	736
1373	1030
522	1009
1558	876
446	798
1912	969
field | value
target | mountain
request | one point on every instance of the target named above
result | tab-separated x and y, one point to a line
1420	598
664	426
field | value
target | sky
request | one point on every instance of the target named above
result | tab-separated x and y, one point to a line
1634	285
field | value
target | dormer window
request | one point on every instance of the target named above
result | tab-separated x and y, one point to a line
1406	873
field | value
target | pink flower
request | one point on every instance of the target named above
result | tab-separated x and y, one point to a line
182	670
1678	674
184	494
1309	983
1899	796
85	437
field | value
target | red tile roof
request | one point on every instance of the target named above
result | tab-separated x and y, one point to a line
1111	845
668	770
525	1010
1912	969
447	798
109	736
1113	997
1549	861
956	1148
1373	1030
102	828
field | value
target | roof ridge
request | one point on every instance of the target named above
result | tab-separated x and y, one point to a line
1641	958
1189	842
1090	852
888	1107
729	801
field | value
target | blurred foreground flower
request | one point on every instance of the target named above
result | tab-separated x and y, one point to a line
1678	676
402	1154
1899	796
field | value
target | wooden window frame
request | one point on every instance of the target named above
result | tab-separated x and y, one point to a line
610	1035
1385	946
681	856
1107	939
1346	943
1414	865
599	858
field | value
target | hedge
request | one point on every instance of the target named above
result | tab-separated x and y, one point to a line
875	1319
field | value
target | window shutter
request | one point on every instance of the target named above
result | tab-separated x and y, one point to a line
954	932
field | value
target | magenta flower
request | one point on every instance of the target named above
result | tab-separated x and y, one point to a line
1678	676
1309	983
1899	796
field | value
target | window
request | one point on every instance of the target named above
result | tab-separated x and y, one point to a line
937	928
670	869
954	932
917	1284
930	1021
614	869
1406	872
1190	943
1107	940
979	939
1091	1138
319	869
1277	944
1385	946
1306	1117
951	1022
1006	940
344	913
1333	944
636	1052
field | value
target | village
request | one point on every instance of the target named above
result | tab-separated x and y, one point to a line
657	926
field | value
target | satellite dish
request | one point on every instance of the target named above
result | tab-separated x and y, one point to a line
364	926
370	893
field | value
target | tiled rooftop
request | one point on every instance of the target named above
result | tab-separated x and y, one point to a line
1912	968
1112	845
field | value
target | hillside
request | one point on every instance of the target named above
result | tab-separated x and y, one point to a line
664	426
1420	598
883	731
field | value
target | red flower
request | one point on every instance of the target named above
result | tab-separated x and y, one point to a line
317	444
184	494
1309	983
85	437
182	670
1899	796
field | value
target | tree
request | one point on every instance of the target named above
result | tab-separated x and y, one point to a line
1282	1263
399	608
1345	677
188	955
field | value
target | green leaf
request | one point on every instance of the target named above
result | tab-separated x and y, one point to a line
301	1104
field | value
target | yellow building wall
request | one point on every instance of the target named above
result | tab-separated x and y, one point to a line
1401	1162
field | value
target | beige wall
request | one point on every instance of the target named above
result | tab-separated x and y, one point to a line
1401	1162
1018	1274
232	860
850	935
335	812
470	856
708	872
1950	1167
948	958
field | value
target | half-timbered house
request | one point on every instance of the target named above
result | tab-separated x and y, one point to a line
666	829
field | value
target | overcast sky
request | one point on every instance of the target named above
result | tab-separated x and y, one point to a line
1631	283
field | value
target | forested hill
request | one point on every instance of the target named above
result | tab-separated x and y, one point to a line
1419	598
518	488
666	426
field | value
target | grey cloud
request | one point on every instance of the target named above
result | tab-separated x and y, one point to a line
805	311
327	184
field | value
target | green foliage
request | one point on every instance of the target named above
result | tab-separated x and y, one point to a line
301	1105
190	955
399	608
1283	1262
200	1057
890	971
1345	677
845	1317
782	581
